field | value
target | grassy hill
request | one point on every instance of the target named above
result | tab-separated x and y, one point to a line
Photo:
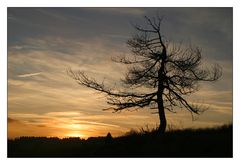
211	142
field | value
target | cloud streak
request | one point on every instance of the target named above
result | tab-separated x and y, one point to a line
11	120
29	75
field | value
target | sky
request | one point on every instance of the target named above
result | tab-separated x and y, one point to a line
44	42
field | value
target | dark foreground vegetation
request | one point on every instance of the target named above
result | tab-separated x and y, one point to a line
214	142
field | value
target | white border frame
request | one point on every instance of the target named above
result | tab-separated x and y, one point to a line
123	3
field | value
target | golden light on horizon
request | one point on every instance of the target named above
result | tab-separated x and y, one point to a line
76	130
75	134
60	124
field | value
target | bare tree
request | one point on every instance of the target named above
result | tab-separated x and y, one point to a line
169	71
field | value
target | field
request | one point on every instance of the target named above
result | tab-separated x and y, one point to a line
211	142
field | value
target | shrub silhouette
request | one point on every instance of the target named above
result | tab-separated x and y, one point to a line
108	138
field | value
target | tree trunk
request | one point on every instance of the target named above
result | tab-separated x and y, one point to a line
161	79
162	117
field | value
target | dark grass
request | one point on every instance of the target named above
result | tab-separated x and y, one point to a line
211	142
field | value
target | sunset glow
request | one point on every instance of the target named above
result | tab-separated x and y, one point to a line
44	42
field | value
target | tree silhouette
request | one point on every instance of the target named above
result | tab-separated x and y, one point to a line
164	71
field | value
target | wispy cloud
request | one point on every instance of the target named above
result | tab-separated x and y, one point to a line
17	47
29	74
11	120
120	10
98	123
